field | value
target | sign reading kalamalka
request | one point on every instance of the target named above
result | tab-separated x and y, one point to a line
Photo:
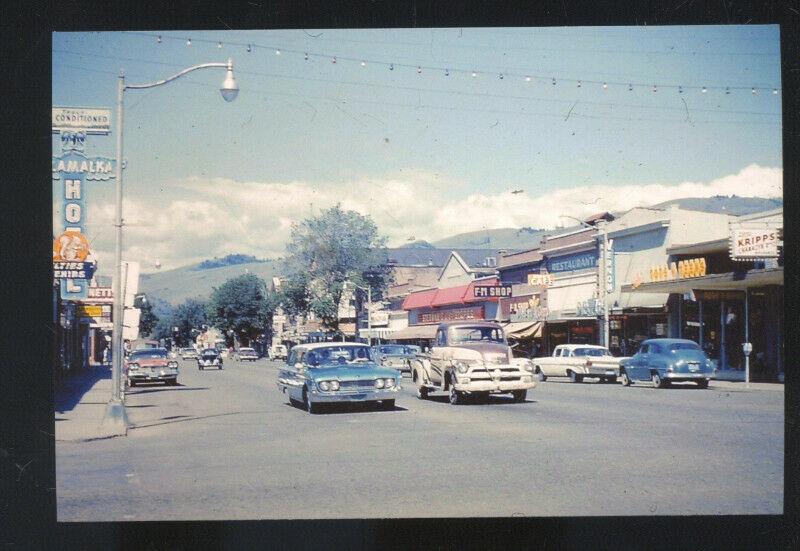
492	291
749	244
90	120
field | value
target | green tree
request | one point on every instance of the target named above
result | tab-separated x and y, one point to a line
189	317
242	305
329	250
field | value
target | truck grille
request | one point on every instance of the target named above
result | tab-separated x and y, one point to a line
496	359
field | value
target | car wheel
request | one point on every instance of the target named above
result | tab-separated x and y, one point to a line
311	407
626	381
612	380
131	383
519	395
658	382
702	383
456	398
172	382
386	405
200	367
575	378
542	376
422	390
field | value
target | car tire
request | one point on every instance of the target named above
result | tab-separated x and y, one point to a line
386	405
422	390
200	367
310	406
703	383
658	382
519	395
611	380
575	378
131	383
456	397
481	397
626	381
542	376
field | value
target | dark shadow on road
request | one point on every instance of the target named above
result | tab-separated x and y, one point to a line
141	406
184	418
164	389
348	407
70	390
471	401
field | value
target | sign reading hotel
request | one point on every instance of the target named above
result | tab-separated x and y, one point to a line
71	170
754	244
456	314
89	120
492	291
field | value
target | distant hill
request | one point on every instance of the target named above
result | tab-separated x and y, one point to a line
503	238
229	260
726	204
175	286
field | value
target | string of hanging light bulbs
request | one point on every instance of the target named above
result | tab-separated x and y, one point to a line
474	73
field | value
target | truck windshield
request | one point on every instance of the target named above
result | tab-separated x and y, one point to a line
334	355
590	352
465	334
394	350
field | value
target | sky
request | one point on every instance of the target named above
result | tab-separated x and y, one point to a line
393	124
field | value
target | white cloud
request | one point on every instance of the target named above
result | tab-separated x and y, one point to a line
203	218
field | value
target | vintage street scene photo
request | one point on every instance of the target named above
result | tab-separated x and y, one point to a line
429	272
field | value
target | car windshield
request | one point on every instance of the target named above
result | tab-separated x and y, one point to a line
674	347
590	352
153	354
397	350
247	350
211	352
466	333
334	355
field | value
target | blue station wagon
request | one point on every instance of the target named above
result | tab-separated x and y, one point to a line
663	361
328	372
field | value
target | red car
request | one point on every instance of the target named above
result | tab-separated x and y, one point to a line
151	365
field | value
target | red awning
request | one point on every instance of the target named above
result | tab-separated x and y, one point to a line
420	299
452	295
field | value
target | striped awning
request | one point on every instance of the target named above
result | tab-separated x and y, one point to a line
415	332
524	329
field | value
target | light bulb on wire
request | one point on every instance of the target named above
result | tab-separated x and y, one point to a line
333	60
419	70
446	72
501	76
704	90
189	42
219	44
554	82
775	91
158	39
391	66
305	56
249	48
630	87
363	63
527	79
605	86
278	52
474	74
579	84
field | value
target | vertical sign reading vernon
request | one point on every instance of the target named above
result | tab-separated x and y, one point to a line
71	170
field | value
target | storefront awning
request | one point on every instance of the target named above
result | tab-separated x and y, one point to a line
415	332
524	330
730	281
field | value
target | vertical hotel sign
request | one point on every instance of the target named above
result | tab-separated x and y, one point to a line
71	170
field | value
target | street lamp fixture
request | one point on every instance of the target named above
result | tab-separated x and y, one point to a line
229	90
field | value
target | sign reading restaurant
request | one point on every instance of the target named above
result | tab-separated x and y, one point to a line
456	314
492	291
754	244
580	261
90	120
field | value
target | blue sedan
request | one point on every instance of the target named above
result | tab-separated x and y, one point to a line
327	372
663	361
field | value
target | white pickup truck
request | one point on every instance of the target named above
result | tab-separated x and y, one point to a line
577	361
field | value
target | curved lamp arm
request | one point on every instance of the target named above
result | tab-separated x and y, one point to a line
228	66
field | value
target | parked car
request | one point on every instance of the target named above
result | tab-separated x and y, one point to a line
664	361
396	356
149	365
472	358
223	350
414	349
577	361
209	358
245	354
327	372
188	354
278	352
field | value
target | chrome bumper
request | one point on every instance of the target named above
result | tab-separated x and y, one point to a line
159	375
689	376
365	396
490	385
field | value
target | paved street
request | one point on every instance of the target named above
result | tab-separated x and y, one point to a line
227	445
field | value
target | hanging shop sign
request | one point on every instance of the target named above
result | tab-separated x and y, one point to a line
91	120
685	269
754	244
527	310
589	308
456	314
580	261
379	318
608	263
70	172
492	291
540	280
719	295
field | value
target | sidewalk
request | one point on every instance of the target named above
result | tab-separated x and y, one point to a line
742	387
80	405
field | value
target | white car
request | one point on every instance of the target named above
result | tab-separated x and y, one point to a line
245	354
577	361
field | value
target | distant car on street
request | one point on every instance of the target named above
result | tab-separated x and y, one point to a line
245	354
278	352
209	358
151	365
326	372
188	354
396	356
664	361
577	361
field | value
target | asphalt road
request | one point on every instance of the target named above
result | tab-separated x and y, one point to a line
227	445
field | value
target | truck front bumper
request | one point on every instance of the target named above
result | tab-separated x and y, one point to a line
491	385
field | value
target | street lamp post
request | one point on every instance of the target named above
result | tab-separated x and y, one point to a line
229	91
604	277
369	312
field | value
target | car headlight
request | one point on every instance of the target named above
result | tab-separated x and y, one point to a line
334	385
324	385
172	364
527	366
462	367
133	366
389	383
379	383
